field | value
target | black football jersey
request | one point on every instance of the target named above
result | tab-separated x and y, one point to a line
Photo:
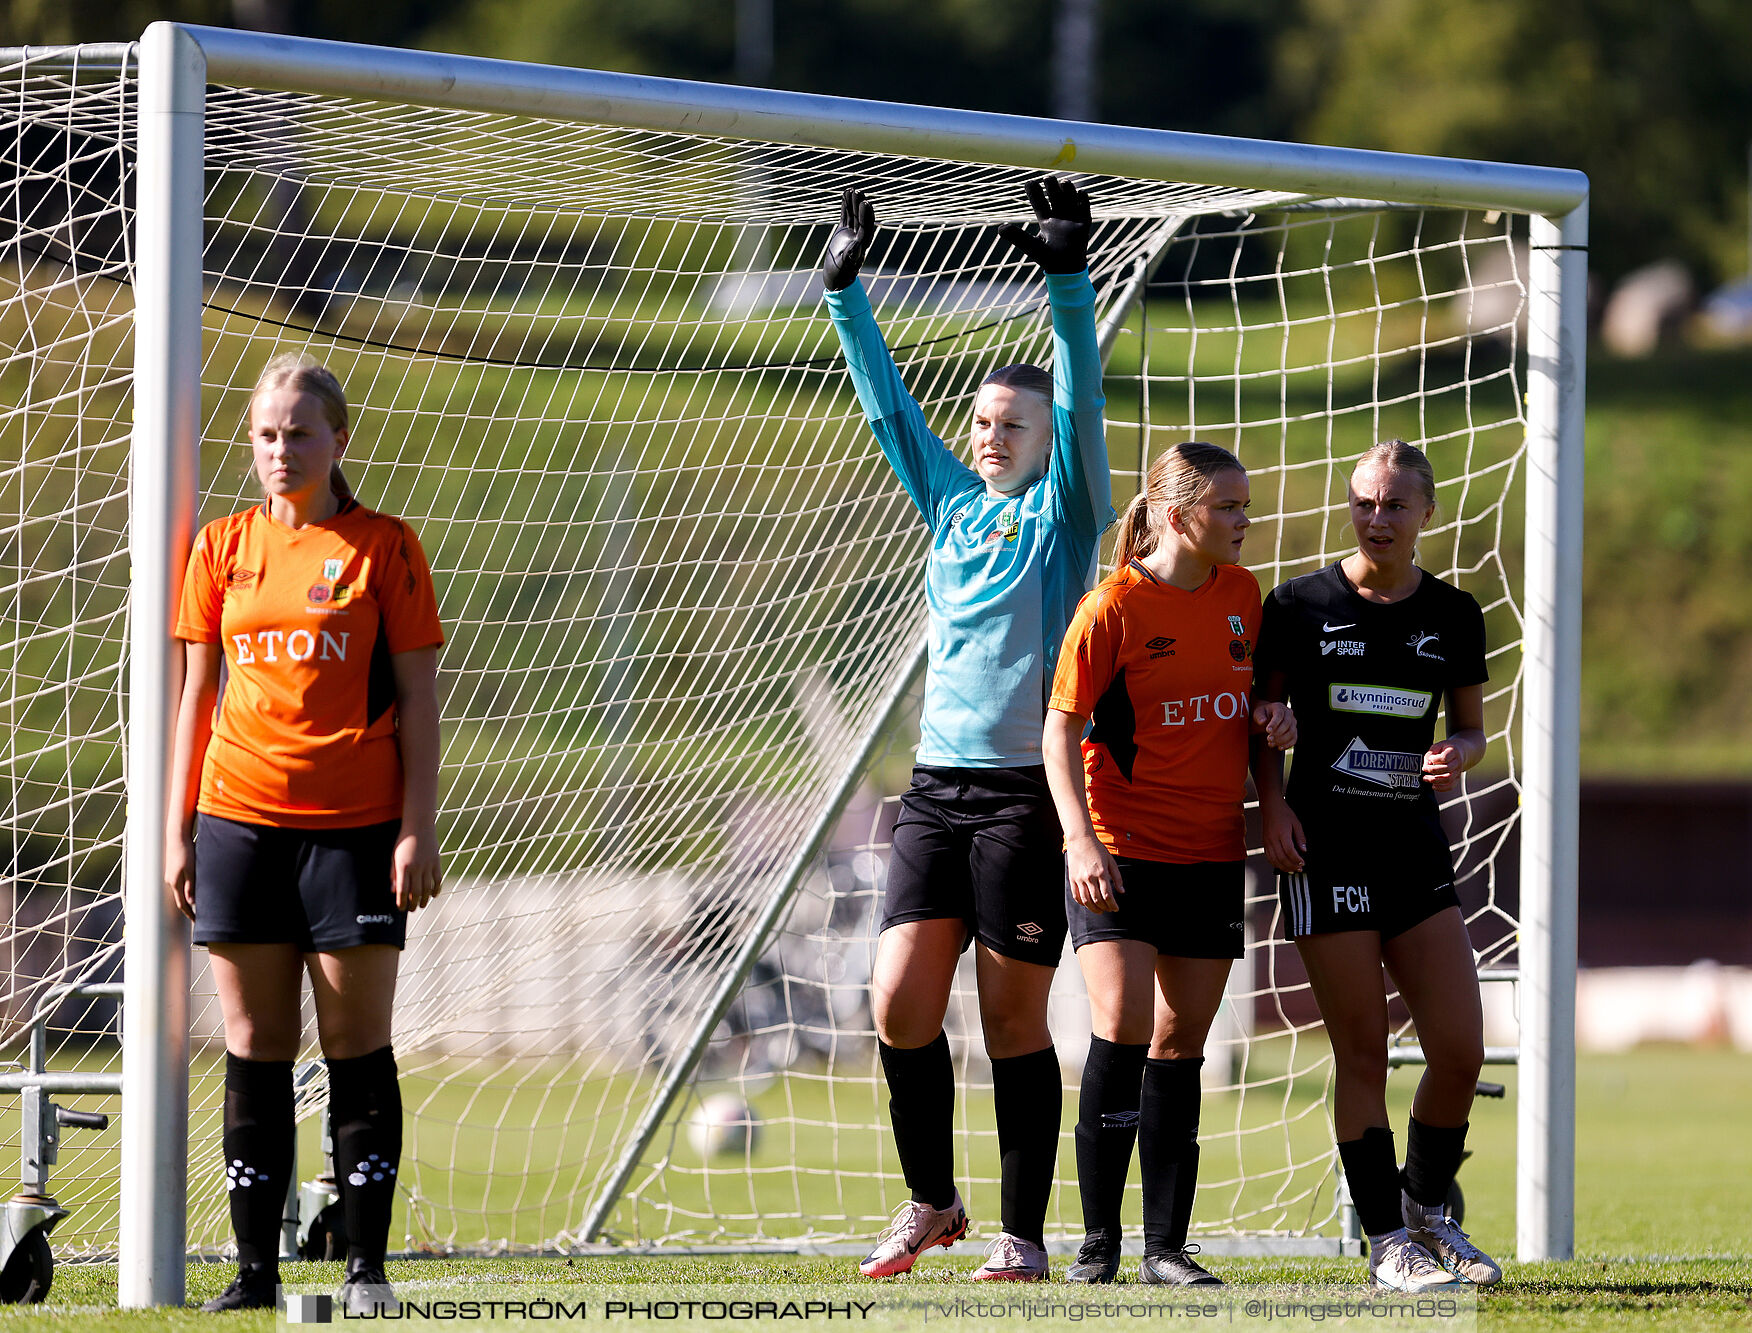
1366	681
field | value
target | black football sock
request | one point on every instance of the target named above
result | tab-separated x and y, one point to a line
260	1134
365	1110
1168	1150
1432	1156
1372	1172
921	1107
1028	1097
1107	1129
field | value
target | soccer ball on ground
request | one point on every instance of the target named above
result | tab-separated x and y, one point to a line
723	1125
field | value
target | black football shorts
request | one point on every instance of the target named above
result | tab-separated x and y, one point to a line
320	889
983	845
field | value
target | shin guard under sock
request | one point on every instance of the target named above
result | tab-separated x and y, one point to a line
260	1133
1372	1172
1028	1097
1107	1129
921	1107
1168	1150
365	1110
1432	1156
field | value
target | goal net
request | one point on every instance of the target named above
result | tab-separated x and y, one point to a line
681	591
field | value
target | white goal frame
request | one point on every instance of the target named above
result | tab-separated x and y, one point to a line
176	62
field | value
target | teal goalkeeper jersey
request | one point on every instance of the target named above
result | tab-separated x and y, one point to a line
1005	572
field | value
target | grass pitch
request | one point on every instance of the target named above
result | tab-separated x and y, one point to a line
1661	1236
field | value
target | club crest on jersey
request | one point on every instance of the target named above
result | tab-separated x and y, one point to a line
318	594
1240	649
1425	645
1395	769
1236	627
331	569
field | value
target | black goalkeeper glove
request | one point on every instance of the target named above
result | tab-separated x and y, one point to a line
1059	240
850	241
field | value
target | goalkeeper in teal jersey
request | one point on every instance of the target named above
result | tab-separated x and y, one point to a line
978	850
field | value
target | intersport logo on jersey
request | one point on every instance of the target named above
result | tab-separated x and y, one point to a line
1377	701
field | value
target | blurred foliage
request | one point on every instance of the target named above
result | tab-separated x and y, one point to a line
1649	100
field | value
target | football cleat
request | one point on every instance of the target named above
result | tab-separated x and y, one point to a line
366	1291
256	1287
1097	1261
916	1227
1399	1263
1452	1248
1177	1268
1012	1259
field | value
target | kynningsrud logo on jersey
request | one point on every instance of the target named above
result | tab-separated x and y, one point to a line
1383	768
1378	701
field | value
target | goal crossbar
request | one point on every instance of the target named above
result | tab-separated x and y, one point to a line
177	62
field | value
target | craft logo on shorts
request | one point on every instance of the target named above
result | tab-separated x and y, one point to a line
1236	627
1378	701
1160	647
1396	769
374	919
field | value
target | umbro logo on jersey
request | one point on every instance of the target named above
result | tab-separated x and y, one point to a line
1160	647
240	578
1328	629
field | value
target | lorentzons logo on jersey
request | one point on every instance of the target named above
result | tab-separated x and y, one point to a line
1377	701
1384	768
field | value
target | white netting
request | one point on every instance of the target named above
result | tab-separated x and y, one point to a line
589	365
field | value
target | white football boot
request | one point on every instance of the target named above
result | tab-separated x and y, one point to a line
1433	1229
1399	1263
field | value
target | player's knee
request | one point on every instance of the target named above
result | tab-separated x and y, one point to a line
1008	1033
252	1038
1361	1061
901	1024
1457	1058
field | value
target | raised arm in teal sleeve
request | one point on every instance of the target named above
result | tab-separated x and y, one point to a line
923	462
1079	466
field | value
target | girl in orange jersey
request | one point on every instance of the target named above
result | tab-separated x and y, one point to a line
1155	682
303	812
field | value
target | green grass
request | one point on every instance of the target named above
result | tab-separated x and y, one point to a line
1662	1161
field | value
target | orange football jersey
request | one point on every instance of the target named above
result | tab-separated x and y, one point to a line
1166	678
304	735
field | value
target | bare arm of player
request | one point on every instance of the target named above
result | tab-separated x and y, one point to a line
1093	874
1285	842
194	728
417	873
1446	760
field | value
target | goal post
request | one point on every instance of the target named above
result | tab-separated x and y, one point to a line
549	280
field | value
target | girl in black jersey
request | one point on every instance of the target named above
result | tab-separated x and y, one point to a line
1367	650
